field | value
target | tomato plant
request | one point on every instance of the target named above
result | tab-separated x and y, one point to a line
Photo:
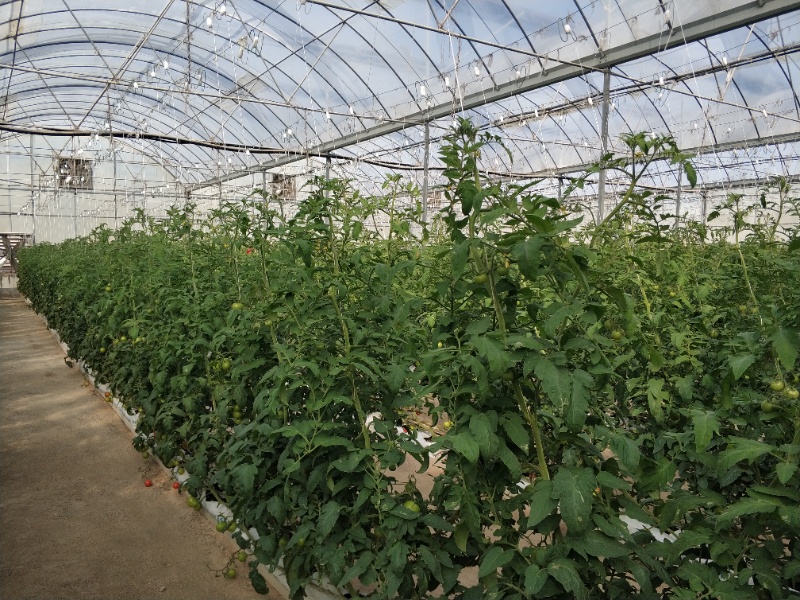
585	375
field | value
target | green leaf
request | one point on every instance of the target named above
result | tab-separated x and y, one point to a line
397	375
358	568
465	445
430	561
460	536
740	364
482	430
786	344
542	503
436	522
244	475
705	426
492	350
510	461
257	580
747	506
528	257
686	540
691	173
459	259
563	570
573	488
238	370
555	380
685	387
660	474
611	482
575	415
351	462
535	579
740	449
785	471
515	429
327	518
656	396
595	543
495	558
626	450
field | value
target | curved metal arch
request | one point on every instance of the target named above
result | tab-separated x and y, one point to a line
182	57
43	112
94	85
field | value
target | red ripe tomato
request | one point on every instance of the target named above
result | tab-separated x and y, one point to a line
175	485
249	250
147	483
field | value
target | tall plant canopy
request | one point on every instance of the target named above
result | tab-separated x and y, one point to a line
108	107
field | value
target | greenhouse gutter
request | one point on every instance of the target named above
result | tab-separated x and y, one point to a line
755	11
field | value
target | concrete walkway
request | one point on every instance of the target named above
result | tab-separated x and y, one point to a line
76	521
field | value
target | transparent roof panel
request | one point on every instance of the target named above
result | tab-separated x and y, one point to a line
209	89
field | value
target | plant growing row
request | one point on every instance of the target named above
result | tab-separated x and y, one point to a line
588	377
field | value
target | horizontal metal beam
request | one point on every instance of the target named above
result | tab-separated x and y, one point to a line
752	12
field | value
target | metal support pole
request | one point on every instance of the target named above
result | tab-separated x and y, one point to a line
220	194
426	162
327	173
704	197
678	202
114	183
601	187
33	190
264	181
75	212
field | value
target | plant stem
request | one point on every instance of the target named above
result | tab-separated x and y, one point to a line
533	422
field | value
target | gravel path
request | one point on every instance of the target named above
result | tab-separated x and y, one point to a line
76	521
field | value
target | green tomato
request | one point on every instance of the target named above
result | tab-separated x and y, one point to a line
222	526
411	505
792	393
501	271
617	335
481	278
777	385
226	364
237	306
241	556
768	407
230	573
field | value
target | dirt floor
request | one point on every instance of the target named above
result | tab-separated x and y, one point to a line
76	521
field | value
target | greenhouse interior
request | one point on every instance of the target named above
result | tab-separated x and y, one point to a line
418	298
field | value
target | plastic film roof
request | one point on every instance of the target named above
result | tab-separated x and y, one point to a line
210	90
